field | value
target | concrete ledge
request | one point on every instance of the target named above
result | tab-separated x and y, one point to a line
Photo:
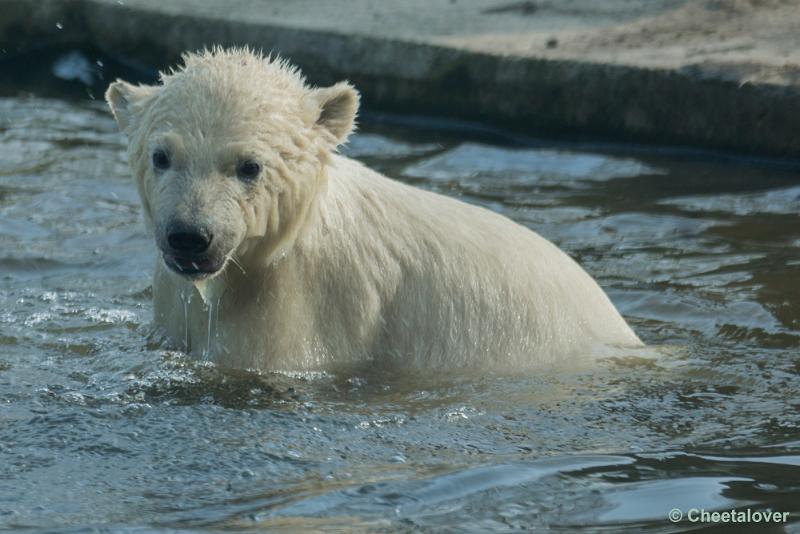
726	103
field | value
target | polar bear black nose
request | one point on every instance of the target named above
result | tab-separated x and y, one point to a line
188	239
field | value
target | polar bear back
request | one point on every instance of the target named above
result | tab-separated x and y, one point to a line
437	282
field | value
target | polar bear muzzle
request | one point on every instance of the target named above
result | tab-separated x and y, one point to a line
187	247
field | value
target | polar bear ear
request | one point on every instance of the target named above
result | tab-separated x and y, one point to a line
337	107
123	98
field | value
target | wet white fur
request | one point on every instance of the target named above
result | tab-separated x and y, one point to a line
334	263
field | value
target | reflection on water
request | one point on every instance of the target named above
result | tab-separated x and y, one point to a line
99	426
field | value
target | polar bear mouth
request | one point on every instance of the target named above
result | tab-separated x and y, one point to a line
195	268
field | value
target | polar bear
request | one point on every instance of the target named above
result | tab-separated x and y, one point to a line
308	260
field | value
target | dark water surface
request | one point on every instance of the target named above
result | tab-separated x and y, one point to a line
99	427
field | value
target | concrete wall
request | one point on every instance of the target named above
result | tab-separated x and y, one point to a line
561	83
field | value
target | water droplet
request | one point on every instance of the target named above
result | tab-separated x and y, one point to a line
202	286
186	301
207	353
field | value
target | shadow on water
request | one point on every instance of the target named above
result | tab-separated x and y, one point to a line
101	428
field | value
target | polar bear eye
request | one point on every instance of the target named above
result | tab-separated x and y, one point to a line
160	159
248	170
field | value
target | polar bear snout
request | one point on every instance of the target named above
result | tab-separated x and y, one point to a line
186	250
188	240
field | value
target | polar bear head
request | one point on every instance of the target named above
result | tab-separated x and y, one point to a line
229	152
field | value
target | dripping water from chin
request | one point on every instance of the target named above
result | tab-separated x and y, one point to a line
187	300
211	302
202	289
207	351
